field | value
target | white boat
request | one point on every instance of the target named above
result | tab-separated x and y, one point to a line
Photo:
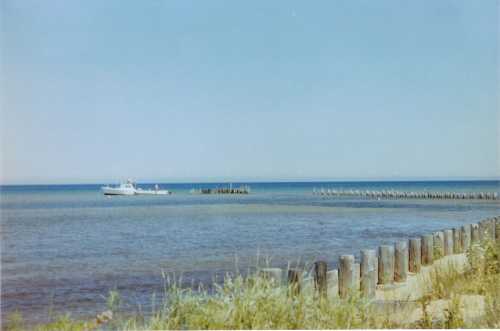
127	188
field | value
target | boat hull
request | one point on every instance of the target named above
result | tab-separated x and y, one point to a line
117	191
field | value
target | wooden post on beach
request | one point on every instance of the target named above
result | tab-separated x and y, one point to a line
465	234
486	230
332	280
273	274
369	272
457	243
401	261
427	249
386	264
490	225
474	237
294	280
438	244
415	255
482	231
320	269
346	275
357	276
448	242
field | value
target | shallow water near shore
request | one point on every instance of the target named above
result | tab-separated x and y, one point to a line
64	247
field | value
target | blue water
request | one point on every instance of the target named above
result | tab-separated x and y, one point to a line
64	247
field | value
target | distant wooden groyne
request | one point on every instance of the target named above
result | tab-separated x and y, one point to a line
222	190
391	271
393	194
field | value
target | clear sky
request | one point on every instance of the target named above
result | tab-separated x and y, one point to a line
99	91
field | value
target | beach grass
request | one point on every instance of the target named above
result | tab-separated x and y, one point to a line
256	302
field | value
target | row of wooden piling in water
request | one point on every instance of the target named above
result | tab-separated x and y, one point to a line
390	264
245	189
393	194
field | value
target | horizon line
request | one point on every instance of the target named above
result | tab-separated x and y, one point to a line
209	180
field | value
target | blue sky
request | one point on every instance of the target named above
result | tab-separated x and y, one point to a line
99	91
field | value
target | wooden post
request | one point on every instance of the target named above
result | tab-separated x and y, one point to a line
465	235
369	272
448	242
273	274
320	269
474	233
457	243
294	280
490	224
385	264
415	255
486	231
438	244
427	249
357	276
401	261
346	275
482	230
332	279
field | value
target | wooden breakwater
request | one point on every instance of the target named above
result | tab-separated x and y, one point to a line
390	266
393	194
222	190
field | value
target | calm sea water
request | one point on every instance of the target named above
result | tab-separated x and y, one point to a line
64	247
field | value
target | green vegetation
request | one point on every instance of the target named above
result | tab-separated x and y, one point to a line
256	303
481	279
